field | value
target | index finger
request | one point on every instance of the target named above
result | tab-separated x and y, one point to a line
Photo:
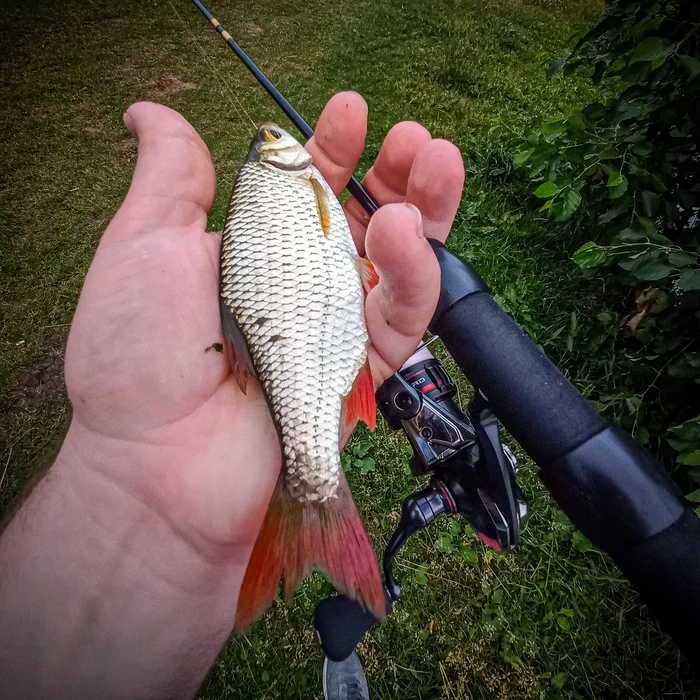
339	140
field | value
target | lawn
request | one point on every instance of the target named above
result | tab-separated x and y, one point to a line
545	621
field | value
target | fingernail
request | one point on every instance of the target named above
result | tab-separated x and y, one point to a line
420	218
129	122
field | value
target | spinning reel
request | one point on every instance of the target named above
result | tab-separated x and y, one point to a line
471	472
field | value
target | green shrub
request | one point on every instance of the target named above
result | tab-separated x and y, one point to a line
628	170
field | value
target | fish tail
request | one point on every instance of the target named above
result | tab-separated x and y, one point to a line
297	537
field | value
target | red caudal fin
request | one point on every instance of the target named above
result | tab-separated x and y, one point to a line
360	403
297	537
368	275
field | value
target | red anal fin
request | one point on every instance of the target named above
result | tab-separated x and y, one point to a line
368	274
297	537
360	403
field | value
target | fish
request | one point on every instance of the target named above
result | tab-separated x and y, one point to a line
292	293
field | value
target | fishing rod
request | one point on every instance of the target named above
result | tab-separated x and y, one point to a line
355	187
611	488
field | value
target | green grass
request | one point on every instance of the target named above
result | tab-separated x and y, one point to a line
494	629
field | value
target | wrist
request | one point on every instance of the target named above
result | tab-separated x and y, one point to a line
110	487
90	559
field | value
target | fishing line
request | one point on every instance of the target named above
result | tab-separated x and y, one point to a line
236	104
354	186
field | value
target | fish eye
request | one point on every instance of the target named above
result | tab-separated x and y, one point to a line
272	135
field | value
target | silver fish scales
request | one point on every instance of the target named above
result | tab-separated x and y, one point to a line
298	300
292	308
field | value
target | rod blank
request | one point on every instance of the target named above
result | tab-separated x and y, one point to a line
355	187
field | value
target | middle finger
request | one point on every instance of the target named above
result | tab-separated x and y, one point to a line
387	179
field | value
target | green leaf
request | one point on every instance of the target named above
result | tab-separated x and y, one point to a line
608	153
568	612
590	255
690	459
615	178
556	66
576	120
469	555
554	125
651	48
643	148
368	465
680	259
689	281
688	367
523	156
563	622
652	270
546	189
689	430
617	184
621	206
691	64
559	680
664	344
420	576
636	260
581	543
570	202
445	543
265	676
363	448
641	229
694	496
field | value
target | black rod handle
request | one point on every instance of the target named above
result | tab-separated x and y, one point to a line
611	488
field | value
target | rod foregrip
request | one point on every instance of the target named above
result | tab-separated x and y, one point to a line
609	486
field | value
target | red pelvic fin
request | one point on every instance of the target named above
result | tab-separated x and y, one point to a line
368	275
236	348
360	403
297	537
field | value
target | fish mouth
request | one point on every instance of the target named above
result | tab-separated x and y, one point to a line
259	154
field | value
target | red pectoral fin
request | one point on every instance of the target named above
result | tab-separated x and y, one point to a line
368	275
360	402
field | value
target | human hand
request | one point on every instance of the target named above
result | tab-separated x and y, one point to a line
154	414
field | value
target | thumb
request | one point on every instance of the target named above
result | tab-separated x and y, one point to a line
174	181
400	307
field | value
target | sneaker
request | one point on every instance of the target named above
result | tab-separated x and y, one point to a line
344	680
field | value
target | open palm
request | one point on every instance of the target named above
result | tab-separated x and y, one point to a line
161	418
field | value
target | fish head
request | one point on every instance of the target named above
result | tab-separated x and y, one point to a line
276	147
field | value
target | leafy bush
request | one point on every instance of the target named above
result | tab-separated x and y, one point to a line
629	170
